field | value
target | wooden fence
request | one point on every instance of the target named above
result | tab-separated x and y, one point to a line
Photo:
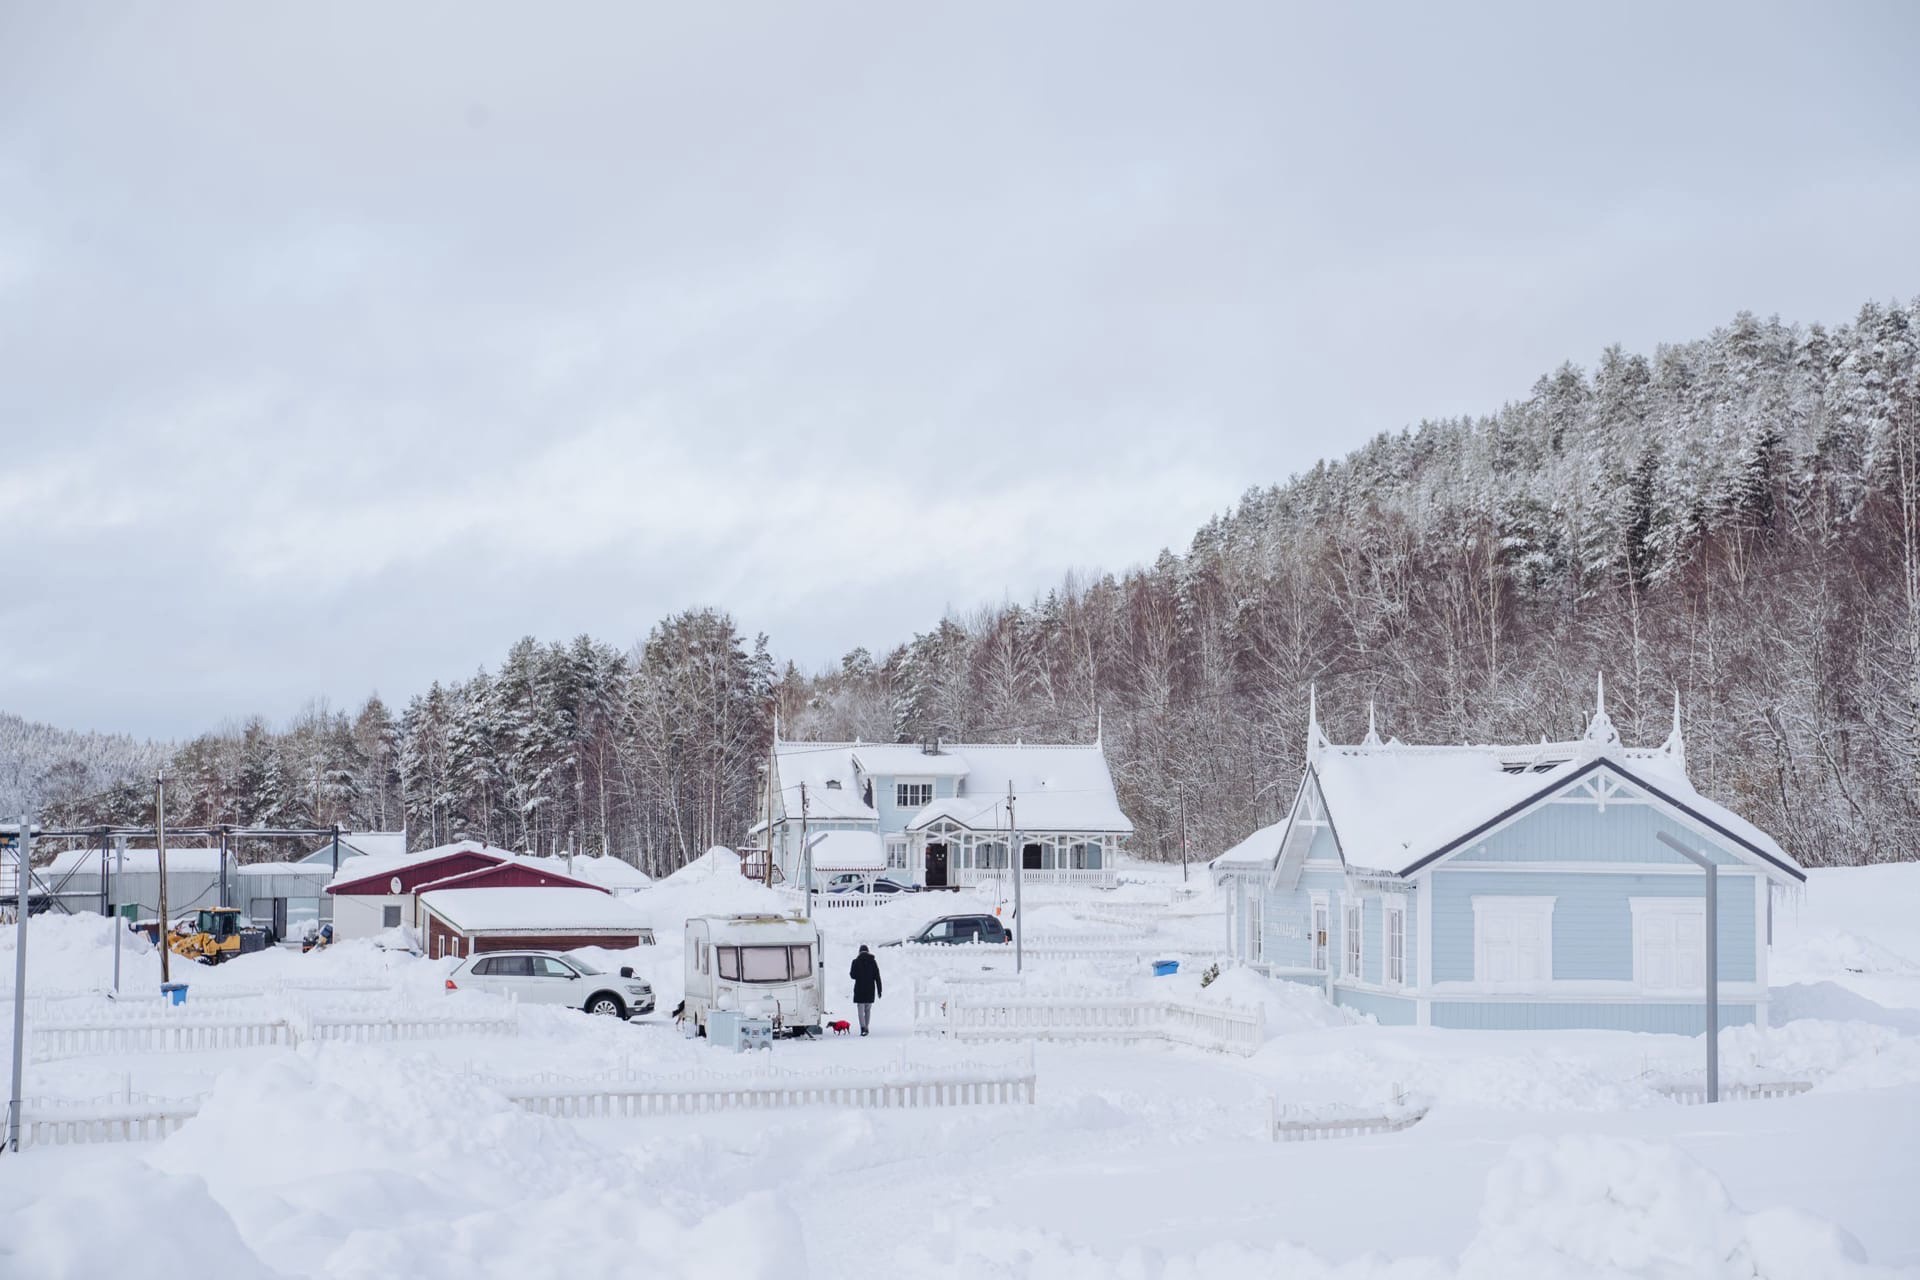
1694	1093
711	1095
122	1117
1294	1124
984	1016
153	1031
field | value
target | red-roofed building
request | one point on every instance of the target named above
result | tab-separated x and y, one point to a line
374	895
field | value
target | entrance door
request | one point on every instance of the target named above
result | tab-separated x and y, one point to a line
936	866
1030	857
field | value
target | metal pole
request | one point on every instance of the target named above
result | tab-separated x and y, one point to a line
336	849
103	871
22	902
1712	869
160	860
223	869
806	850
1183	837
1019	859
119	916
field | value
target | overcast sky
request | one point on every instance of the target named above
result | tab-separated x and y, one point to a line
341	345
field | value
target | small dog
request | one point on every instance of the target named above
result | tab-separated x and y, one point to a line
841	1027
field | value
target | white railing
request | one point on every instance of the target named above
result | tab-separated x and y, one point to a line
1692	1093
381	1029
140	1030
123	1117
1058	947
148	1034
1287	1123
1227	1028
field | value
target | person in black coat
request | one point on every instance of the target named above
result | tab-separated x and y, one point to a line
866	985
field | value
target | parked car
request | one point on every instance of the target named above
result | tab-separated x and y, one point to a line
541	977
954	930
858	882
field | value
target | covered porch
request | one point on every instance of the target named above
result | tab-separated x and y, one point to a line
948	853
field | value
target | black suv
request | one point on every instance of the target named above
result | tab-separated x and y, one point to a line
953	930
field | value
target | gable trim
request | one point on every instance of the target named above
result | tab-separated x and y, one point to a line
1548	792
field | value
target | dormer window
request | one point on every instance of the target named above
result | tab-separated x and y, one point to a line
833	784
912	795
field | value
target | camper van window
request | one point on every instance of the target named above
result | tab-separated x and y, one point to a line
763	964
802	961
730	963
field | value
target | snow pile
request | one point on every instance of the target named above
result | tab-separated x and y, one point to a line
1576	1208
715	862
1289	1006
78	1222
1592	1206
425	1172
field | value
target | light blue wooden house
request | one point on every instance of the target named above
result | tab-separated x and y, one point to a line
1514	887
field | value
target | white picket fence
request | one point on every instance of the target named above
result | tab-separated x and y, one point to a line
702	1096
122	1117
1694	1093
154	1031
1286	1123
983	1016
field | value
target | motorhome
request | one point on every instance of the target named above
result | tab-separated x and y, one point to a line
760	965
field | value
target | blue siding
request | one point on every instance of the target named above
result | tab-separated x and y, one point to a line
1388	1011
1585	833
1673	1019
1290	912
1592	920
893	819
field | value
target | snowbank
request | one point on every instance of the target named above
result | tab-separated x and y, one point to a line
1288	1006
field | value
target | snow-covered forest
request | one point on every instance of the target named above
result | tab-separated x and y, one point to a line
1736	518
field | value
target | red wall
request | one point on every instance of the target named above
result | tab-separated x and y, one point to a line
415	874
508	875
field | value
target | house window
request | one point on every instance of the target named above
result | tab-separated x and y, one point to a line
912	795
1352	940
1512	940
1256	943
1669	943
1320	932
390	916
1393	953
896	855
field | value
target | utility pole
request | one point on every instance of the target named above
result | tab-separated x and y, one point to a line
119	915
1019	861
22	901
1183	836
766	873
160	859
223	868
806	850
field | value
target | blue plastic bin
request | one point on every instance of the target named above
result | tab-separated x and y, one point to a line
1165	968
175	992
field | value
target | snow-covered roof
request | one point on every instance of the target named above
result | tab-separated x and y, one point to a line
1395	807
1056	787
362	844
1256	851
141	861
548	910
369	867
610	872
758	930
849	851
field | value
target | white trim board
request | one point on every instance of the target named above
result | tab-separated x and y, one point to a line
1601	868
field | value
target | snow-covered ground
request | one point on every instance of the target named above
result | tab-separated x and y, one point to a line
1541	1155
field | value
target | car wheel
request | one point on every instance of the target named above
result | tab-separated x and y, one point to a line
606	1005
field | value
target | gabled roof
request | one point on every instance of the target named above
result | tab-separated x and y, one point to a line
1396	808
363	844
1257	852
562	910
849	851
1056	787
375	875
518	874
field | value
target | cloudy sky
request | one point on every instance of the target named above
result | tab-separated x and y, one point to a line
341	345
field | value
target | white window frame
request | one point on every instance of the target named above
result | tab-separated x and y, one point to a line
1319	941
1643	910
1353	934
900	784
1256	926
897	853
1393	943
1541	908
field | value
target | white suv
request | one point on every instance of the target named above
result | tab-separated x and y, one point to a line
541	977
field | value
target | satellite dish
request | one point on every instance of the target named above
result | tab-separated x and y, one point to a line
394	884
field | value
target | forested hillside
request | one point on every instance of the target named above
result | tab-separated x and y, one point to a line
41	766
1736	518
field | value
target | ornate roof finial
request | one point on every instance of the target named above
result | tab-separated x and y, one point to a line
1373	736
1099	725
1676	746
1600	729
1316	740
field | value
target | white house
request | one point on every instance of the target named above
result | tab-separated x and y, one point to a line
1518	886
949	813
